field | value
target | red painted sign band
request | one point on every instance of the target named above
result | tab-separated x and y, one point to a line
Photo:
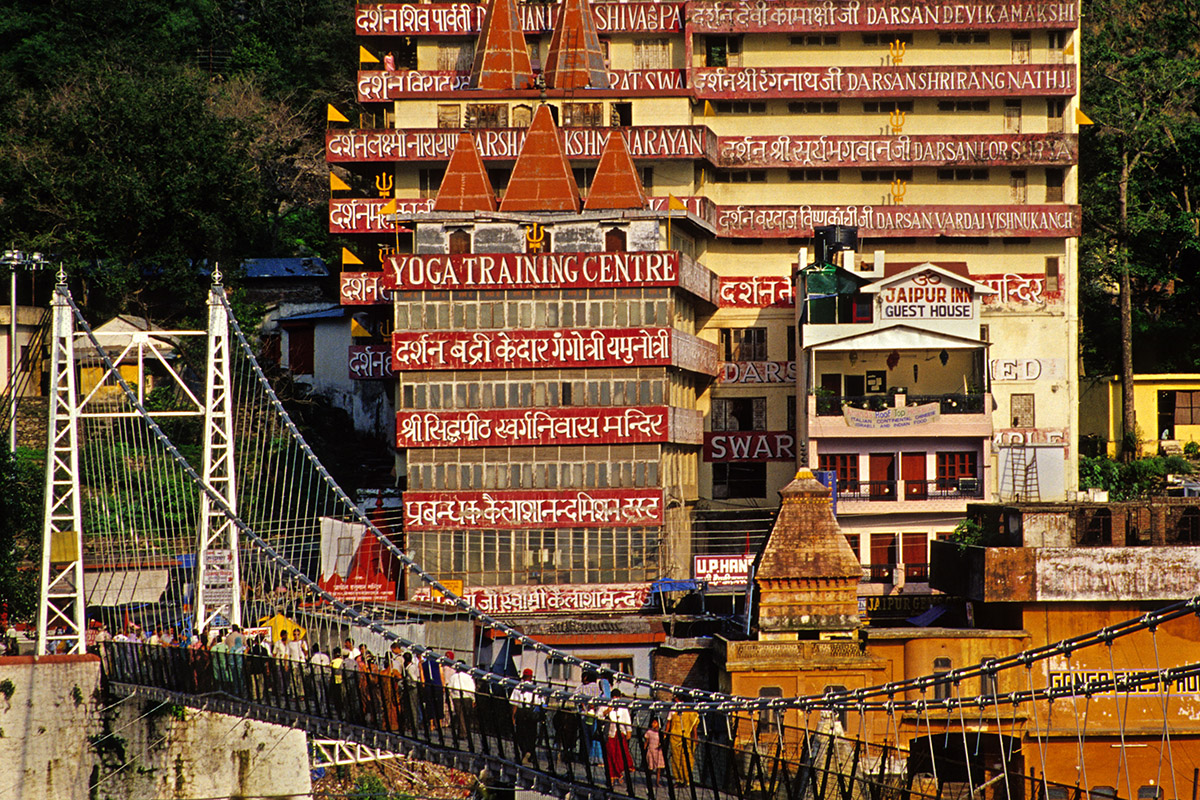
489	271
554	599
1019	290
365	214
911	151
369	362
464	19
379	85
524	427
363	289
756	291
541	349
753	16
425	511
724	446
945	220
1016	80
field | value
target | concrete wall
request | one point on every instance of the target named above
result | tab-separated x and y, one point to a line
58	740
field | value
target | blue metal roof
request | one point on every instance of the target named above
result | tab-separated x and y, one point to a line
337	312
285	268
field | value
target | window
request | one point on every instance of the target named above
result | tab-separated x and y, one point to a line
976	37
499	176
405	53
1021	408
769	720
954	467
583	115
459	242
962	174
813	107
814	40
1012	116
1056	41
487	115
744	344
885	175
884	557
1052	263
886	38
430	180
791	342
964	106
622	114
887	106
739	176
1054	185
1187	408
722	51
739	414
739	480
1098	530
455	56
648	178
522	116
989	681
846	467
651	53
1055	109
852	539
448	116
914	547
1018	186
941	686
1020	47
740	106
813	175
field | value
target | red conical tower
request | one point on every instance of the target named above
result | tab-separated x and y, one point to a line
616	184
501	55
575	60
466	186
541	179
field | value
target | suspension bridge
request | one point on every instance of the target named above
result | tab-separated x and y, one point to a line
210	475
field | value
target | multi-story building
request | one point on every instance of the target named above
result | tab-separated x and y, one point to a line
937	352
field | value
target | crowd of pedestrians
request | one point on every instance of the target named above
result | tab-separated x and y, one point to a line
420	698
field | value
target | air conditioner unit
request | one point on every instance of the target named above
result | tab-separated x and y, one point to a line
968	485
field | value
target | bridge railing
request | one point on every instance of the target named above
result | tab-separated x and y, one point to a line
687	755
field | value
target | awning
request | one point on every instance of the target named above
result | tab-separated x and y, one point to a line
125	587
665	585
927	617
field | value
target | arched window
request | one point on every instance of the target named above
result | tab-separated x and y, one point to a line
941	688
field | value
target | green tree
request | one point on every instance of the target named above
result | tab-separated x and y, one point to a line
20	513
1138	184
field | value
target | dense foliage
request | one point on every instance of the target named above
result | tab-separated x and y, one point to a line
20	531
138	137
1130	480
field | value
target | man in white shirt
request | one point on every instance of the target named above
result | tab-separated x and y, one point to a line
280	665
320	675
461	687
527	710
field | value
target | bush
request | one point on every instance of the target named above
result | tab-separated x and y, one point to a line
1192	450
1142	477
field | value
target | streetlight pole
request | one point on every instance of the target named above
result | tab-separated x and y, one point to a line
14	259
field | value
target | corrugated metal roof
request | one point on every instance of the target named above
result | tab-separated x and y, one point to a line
285	268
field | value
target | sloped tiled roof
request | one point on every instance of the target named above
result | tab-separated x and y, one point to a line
541	179
501	55
575	59
616	183
466	186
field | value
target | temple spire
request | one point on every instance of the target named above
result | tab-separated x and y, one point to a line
501	55
616	183
541	179
576	60
466	186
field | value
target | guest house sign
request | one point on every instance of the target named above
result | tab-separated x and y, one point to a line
926	296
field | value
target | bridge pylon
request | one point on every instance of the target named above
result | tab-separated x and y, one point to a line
61	608
218	572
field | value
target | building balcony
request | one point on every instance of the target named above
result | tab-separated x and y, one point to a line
1064	574
841	416
893	491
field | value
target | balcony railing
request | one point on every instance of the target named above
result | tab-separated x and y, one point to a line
886	573
937	489
830	405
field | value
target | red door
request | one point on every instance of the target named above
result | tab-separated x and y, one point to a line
882	476
912	472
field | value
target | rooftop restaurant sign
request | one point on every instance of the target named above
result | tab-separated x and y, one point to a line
465	19
363	289
756	16
891	418
554	599
426	511
1014	80
525	427
378	85
546	349
873	221
437	144
880	151
492	271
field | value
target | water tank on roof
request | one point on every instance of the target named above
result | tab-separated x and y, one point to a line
830	239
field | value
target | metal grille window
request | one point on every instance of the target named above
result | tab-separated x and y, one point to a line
744	344
651	53
583	115
813	175
487	115
448	116
1187	408
739	414
1021	407
887	106
722	51
885	175
941	687
962	174
813	107
455	57
964	106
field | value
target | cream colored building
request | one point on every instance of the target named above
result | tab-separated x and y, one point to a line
945	133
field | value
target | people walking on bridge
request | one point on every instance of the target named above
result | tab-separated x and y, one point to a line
257	667
297	653
527	708
590	733
620	725
235	640
652	747
461	688
412	692
280	667
320	677
681	734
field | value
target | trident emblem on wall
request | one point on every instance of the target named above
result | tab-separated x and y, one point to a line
535	238
899	188
896	48
384	183
896	119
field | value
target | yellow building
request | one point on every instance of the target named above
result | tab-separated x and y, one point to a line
940	356
1166	407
